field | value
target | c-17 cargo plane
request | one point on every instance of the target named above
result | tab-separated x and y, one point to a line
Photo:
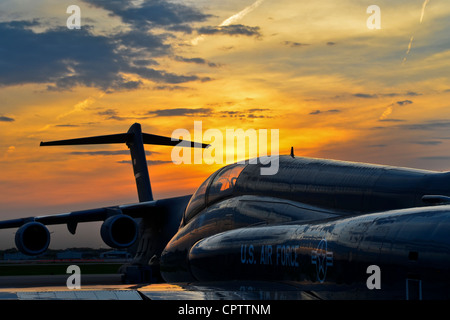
330	228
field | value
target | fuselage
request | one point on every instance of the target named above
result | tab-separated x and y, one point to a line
240	224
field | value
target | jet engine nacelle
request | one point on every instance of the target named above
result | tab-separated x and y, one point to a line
32	238
119	231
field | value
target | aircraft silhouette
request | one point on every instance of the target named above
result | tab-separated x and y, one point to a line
330	228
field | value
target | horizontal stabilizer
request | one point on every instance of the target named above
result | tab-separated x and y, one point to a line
166	141
126	138
113	138
135	140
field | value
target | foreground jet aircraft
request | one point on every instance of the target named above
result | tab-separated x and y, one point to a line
331	228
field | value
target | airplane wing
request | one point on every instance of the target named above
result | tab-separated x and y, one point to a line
137	210
119	229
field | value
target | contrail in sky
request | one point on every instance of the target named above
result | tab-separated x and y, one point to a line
233	19
410	45
389	109
409	48
424	5
238	16
423	9
80	106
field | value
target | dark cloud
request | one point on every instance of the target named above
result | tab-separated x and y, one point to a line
61	57
229	113
144	62
152	13
254	116
67	58
413	94
191	60
377	145
6	119
170	88
232	30
404	102
252	113
134	42
446	158
163	76
391	120
111	114
195	60
391	94
432	125
64	59
396	94
181	28
365	95
295	44
129	85
168	15
428	143
176	112
327	111
330	43
428	125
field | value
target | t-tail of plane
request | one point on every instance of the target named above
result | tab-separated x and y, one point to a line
135	140
159	219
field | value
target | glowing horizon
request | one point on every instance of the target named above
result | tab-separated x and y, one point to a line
314	71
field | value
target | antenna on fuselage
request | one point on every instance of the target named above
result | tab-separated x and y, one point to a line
292	152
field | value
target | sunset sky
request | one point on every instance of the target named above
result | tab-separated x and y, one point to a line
311	69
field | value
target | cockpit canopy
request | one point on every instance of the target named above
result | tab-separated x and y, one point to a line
218	186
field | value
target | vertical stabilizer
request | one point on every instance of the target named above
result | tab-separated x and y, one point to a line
139	162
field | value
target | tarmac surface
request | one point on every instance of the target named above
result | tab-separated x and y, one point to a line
110	287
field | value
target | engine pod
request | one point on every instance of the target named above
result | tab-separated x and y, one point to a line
119	231
32	238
